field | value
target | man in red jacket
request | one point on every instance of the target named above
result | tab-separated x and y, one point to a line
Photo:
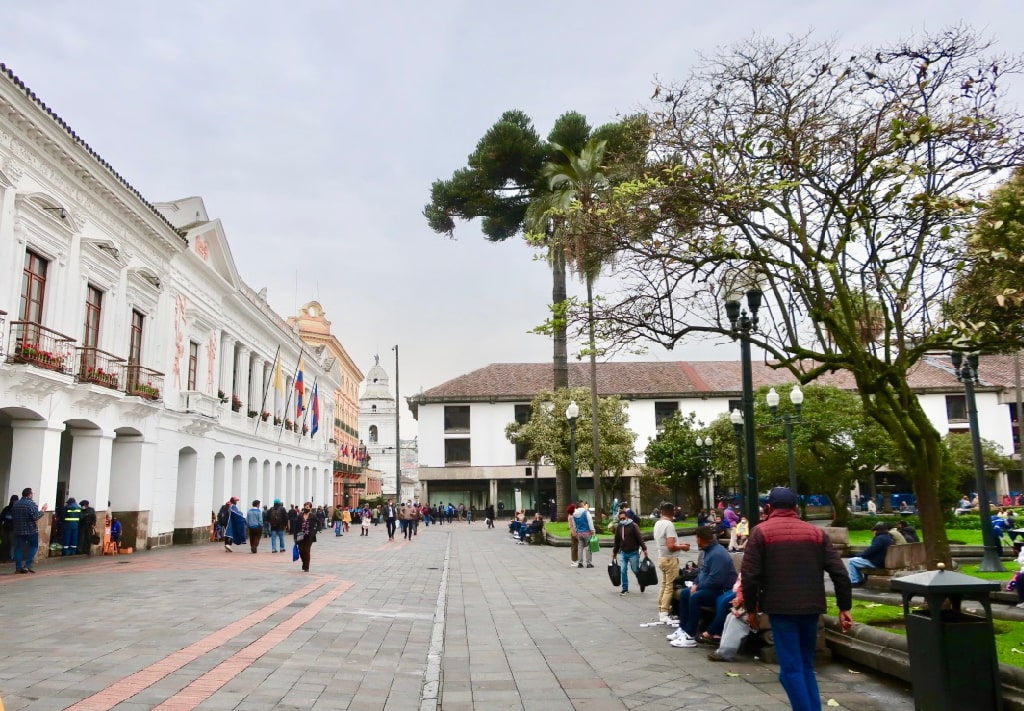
783	575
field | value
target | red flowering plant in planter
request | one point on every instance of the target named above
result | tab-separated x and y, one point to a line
288	425
99	376
264	415
236	403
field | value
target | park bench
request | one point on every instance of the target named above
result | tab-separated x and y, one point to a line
898	558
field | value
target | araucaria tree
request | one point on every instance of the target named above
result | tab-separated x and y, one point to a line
842	185
509	173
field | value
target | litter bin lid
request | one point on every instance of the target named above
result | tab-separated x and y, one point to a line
938	582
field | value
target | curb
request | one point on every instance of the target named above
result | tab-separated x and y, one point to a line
886	653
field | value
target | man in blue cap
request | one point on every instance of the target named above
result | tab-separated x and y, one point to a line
783	566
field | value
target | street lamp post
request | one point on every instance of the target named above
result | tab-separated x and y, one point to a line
704	452
743	324
967	373
736	417
571	413
796	396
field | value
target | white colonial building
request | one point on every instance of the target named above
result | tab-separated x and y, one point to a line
136	367
465	456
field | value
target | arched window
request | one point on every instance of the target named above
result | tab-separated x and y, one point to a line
373	434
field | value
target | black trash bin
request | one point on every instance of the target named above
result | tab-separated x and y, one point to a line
953	663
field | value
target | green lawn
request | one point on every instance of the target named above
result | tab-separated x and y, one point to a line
1009	635
956	536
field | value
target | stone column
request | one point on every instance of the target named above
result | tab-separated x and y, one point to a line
35	458
90	466
492	492
226	356
238	382
634	493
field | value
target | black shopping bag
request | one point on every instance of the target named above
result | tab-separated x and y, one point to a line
615	573
647	574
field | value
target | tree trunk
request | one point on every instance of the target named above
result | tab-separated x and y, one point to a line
896	408
595	430
560	359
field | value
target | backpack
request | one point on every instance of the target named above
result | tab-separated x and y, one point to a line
223	515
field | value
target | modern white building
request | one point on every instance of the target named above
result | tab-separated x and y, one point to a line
137	369
465	456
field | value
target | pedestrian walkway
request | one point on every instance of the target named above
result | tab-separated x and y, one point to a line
459	618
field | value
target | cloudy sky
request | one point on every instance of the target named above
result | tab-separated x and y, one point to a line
314	131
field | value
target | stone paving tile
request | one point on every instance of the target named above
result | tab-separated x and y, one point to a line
521	631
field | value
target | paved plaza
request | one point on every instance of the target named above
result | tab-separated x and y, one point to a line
460	618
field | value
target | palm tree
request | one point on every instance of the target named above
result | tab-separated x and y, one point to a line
574	185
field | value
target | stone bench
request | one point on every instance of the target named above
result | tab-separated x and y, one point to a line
899	558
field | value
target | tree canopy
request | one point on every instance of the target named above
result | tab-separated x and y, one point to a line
842	185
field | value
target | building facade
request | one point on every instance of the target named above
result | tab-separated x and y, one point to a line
135	364
350	481
465	456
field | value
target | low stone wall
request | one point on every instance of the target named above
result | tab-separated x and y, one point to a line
887	653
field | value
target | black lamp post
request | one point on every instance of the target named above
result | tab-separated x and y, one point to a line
736	417
704	452
967	373
796	396
571	413
743	324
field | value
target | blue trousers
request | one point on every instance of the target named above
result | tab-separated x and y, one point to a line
627	561
689	607
25	549
722	607
795	636
70	538
276	540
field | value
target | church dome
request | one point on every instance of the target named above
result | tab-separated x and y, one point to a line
377	382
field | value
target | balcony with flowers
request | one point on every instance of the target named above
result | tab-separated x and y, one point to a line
99	368
143	382
41	347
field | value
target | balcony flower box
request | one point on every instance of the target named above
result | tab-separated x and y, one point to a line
305	429
236	403
34	355
252	414
277	421
145	390
222	396
264	415
288	425
98	376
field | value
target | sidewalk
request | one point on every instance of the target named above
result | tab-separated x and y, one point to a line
460	618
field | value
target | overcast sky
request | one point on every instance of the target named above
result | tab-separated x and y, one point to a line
313	130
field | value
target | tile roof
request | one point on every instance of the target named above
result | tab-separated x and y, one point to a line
17	82
679	379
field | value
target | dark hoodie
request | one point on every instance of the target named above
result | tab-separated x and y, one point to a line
628	538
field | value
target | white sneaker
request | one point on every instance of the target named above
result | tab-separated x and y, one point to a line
1020	605
663	618
675	634
684	640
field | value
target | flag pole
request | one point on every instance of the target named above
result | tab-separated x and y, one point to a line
266	389
288	395
305	411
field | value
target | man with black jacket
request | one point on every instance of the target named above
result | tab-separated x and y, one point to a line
783	575
873	556
629	542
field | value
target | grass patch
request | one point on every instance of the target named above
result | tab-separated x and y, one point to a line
1009	635
956	536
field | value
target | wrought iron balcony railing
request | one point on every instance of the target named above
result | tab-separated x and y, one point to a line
36	345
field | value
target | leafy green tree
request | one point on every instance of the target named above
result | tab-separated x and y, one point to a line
990	288
841	185
958	466
546	434
674	460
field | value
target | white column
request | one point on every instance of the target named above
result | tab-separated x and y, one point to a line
90	466
634	493
238	385
492	490
226	359
35	457
255	386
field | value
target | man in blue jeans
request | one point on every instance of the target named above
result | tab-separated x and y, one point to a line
628	544
783	575
716	575
26	531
